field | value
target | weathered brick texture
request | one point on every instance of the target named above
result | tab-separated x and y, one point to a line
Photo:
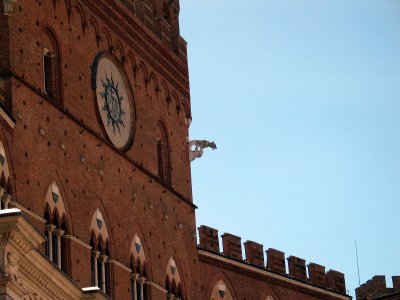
59	137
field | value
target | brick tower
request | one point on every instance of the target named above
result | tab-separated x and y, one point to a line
96	199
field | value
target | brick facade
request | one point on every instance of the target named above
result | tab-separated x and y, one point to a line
57	146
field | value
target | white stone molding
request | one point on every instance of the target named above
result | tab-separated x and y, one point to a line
5	116
59	233
158	287
27	211
95	256
50	229
135	278
103	259
80	242
142	281
118	264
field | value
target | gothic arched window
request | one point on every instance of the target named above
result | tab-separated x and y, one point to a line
51	67
164	168
221	292
99	260
56	228
139	288
173	283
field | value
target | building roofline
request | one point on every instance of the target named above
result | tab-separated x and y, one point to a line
273	275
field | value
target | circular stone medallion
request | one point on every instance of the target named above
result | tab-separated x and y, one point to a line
114	99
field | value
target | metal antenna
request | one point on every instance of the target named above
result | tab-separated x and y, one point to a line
358	267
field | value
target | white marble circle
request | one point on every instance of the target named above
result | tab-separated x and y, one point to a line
114	100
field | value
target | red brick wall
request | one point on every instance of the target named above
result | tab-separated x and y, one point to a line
67	143
129	194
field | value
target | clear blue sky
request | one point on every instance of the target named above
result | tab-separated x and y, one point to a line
302	98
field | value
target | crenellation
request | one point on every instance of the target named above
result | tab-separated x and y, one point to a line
254	253
179	45
317	275
209	239
376	288
396	283
379	282
276	261
297	268
232	246
162	19
361	292
335	281
130	4
145	12
163	30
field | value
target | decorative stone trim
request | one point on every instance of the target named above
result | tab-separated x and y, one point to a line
118	264
42	282
24	272
80	242
4	115
27	211
160	288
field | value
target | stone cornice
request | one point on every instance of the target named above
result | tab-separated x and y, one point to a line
21	262
27	211
24	271
40	272
15	228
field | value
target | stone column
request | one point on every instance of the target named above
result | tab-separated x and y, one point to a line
59	233
171	296
142	280
95	256
135	278
50	230
103	260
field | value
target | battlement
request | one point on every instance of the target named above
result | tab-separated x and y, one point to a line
297	268
162	19
376	287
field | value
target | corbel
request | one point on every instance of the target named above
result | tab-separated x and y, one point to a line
9	7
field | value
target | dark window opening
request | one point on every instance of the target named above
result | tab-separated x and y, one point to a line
49	62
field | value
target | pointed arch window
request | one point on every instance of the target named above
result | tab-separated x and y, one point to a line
221	292
173	283
139	288
56	248
100	254
51	67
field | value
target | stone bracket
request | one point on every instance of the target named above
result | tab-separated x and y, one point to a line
9	7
